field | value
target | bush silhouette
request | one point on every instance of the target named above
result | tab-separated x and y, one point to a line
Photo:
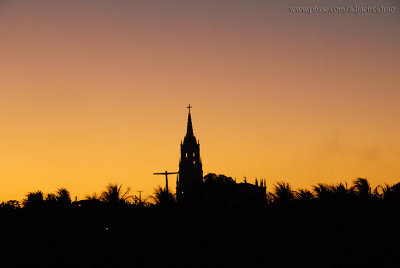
33	200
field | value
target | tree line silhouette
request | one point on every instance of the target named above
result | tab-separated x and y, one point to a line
282	195
330	225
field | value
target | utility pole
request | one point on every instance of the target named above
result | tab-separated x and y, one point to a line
140	197
166	173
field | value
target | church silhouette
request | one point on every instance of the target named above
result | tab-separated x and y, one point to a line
190	167
193	188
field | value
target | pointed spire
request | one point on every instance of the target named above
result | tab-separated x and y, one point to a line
189	132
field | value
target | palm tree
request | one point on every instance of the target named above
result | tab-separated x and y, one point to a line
162	197
383	192
362	188
91	201
304	195
92	197
323	191
52	198
114	195
63	197
283	193
342	193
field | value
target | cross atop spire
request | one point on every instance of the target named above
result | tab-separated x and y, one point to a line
189	132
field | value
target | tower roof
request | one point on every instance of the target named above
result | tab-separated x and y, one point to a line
189	131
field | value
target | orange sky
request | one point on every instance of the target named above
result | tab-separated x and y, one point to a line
93	92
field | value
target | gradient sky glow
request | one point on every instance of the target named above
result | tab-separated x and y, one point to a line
93	92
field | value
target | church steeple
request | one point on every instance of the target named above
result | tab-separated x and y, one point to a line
190	166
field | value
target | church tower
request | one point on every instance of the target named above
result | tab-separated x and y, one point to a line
190	166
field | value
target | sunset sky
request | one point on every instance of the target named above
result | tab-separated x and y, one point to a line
93	92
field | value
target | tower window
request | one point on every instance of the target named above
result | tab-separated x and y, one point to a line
194	162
